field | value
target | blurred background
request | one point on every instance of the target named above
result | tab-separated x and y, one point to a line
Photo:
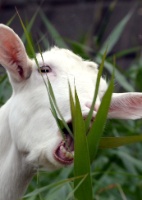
79	20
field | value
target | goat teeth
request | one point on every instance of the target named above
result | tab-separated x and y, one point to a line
69	155
72	153
63	149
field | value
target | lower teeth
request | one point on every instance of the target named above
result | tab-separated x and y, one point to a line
67	154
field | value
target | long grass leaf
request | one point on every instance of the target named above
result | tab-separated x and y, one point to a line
44	40
126	52
74	189
115	34
97	128
53	32
72	106
29	26
56	107
28	39
52	99
118	76
114	142
11	19
129	158
81	158
89	117
52	185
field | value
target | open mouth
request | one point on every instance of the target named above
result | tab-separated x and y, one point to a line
64	153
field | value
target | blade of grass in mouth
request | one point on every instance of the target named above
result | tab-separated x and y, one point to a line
89	117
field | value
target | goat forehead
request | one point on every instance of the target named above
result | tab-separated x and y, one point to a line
65	53
64	59
58	56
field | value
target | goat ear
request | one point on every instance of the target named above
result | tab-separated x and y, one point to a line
13	54
126	106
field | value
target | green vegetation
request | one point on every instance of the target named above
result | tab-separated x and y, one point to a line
99	172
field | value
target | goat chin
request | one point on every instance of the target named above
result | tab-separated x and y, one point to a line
29	135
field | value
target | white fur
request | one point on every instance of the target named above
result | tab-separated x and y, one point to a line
28	132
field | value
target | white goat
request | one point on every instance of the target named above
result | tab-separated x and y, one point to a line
29	136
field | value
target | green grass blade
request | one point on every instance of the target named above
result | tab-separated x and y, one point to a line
114	142
72	106
81	158
29	25
44	40
97	128
52	185
60	123
126	52
11	19
30	44
53	99
54	107
55	115
128	158
118	76
89	117
73	190
79	48
53	32
116	33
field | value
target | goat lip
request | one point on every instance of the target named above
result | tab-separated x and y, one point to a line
64	153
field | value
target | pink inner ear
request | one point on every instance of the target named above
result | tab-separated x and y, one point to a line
13	55
11	51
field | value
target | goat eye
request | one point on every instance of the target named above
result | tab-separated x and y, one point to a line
44	69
